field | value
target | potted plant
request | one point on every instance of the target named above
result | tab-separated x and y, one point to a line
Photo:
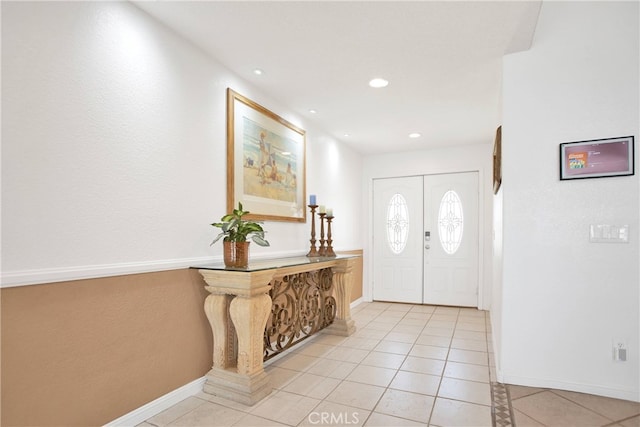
235	231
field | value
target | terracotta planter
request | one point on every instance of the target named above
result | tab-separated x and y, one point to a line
236	254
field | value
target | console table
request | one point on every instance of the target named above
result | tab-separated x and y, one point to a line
266	308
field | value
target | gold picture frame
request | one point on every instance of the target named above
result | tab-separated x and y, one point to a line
266	162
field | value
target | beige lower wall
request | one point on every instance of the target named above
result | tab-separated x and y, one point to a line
89	351
86	352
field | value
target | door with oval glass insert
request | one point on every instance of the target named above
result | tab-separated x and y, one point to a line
425	238
451	254
397	239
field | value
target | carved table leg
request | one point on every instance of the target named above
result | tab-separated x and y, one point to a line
216	307
342	283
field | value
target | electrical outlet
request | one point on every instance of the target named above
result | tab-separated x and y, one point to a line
619	352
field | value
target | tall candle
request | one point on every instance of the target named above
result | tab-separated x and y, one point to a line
312	199
329	212
322	209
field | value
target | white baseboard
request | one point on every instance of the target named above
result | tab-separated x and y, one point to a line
147	411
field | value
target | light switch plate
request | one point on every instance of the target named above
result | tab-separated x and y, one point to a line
607	233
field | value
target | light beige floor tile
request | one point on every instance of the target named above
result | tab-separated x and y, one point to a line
368	333
434	341
372	375
332	368
422	309
551	409
522	420
469	344
471	326
468	356
296	362
444	324
448	317
518	391
393	347
614	409
391	315
466	371
361	343
447	310
413	406
329	339
470	335
224	402
409	338
417	316
347	354
145	424
384	360
381	326
176	411
438	332
335	414
358	395
383	420
283	407
429	351
416	383
209	414
313	349
423	366
453	413
468	391
407	329
279	377
400	307
631	422
311	385
250	420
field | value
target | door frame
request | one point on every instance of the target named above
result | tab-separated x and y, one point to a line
483	300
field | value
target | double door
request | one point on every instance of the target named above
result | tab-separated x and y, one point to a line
425	236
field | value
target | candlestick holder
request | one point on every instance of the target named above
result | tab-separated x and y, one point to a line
329	250
313	252
322	248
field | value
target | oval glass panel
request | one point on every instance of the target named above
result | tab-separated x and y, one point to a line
450	222
397	223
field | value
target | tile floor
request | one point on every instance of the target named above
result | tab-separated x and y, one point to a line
407	365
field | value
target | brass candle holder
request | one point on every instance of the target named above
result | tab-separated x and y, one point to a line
322	248
313	252
329	249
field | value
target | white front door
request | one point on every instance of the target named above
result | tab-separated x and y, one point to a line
397	239
425	239
451	247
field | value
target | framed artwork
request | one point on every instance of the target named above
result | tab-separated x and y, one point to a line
597	158
497	161
266	160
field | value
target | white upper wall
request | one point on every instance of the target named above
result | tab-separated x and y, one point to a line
565	301
114	147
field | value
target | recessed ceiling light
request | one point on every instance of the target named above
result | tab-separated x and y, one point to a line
378	82
346	134
414	135
258	72
312	111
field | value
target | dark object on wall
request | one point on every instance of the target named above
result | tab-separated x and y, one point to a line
597	158
497	161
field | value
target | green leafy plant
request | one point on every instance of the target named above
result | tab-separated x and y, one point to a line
236	229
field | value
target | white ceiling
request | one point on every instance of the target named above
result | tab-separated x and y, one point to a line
443	60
